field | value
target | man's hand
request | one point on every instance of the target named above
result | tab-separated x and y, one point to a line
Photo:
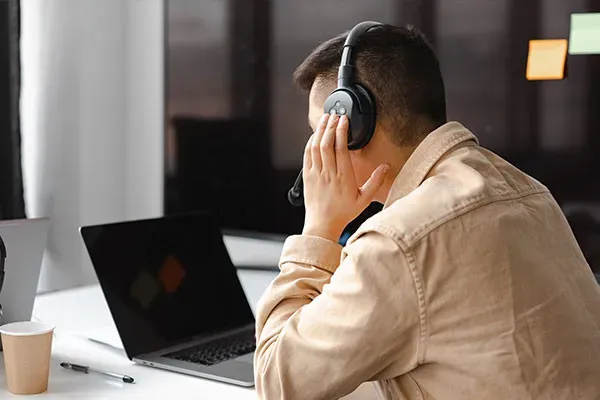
331	195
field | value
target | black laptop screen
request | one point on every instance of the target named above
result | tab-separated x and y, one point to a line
166	280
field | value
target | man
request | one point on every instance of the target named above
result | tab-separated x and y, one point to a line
467	285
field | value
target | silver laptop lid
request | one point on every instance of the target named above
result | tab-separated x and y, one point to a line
25	242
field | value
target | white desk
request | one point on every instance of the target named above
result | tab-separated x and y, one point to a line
84	309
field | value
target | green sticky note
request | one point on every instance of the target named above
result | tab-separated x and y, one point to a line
585	34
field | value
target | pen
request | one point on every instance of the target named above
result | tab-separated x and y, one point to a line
87	370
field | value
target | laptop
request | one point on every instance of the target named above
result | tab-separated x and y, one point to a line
175	296
25	243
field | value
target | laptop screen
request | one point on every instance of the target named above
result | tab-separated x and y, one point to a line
167	280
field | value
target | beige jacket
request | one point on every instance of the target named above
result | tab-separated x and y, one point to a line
468	285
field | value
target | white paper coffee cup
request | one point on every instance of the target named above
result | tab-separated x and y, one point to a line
27	348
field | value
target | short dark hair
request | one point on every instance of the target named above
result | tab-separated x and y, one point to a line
399	67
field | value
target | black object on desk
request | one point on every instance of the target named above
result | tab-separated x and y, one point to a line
2	261
87	370
271	268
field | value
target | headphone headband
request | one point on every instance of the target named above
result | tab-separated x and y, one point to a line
346	70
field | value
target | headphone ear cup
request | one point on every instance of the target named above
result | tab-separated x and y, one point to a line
356	103
365	124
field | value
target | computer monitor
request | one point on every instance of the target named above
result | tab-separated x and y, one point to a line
24	244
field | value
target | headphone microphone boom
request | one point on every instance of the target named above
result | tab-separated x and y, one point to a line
350	99
295	195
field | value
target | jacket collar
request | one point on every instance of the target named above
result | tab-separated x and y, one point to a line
426	155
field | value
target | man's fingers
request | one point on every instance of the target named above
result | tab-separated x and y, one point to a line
370	188
341	139
342	155
307	163
327	142
316	143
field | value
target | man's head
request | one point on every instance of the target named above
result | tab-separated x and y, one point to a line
401	71
398	67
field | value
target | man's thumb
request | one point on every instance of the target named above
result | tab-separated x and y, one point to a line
374	183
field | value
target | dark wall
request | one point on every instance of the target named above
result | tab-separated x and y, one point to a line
11	183
233	61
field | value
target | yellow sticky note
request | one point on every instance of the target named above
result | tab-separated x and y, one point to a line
546	60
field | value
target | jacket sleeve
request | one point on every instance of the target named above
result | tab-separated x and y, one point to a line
323	328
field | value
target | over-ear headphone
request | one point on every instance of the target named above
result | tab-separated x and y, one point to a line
351	99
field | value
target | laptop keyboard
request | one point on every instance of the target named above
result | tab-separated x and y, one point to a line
217	351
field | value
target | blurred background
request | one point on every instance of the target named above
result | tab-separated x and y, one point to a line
236	126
